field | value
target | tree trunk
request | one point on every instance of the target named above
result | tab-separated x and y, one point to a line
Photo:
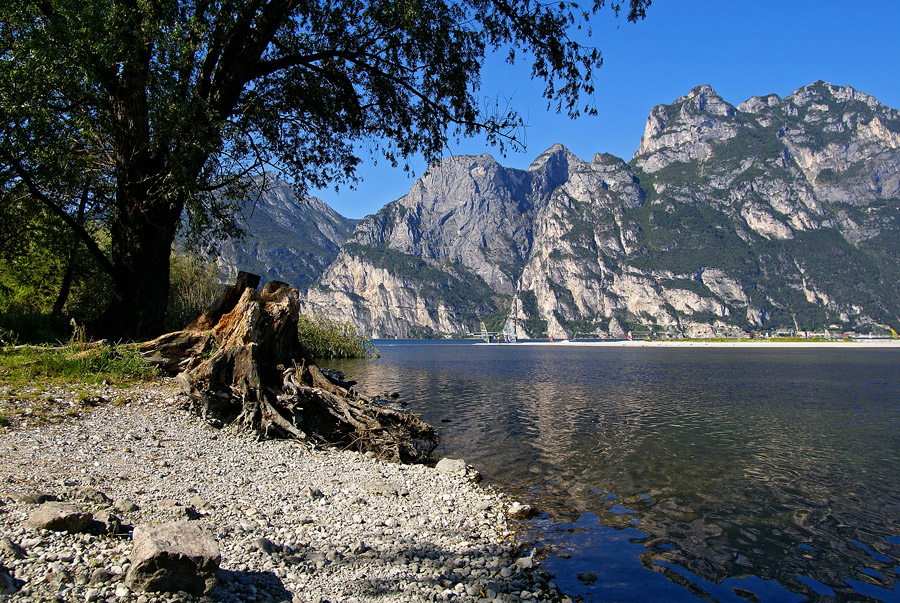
248	371
142	232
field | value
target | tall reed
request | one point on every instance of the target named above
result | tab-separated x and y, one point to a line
325	338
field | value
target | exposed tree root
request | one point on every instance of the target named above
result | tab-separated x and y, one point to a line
247	370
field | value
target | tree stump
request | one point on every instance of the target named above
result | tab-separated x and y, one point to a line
248	371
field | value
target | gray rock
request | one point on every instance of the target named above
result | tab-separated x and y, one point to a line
379	487
525	563
457	467
31	498
112	524
518	511
359	548
88	494
201	505
8	584
266	546
178	511
100	576
588	578
310	492
172	557
11	550
59	517
123	505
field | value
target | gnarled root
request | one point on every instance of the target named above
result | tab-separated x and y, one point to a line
245	372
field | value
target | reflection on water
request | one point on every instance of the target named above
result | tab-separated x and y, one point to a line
726	473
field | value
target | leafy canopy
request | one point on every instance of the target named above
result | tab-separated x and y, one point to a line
127	119
193	95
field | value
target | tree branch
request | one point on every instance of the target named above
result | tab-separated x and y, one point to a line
265	68
71	222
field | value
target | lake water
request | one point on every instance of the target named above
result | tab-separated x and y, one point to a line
677	474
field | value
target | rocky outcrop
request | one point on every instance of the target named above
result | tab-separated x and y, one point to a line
778	213
685	131
445	255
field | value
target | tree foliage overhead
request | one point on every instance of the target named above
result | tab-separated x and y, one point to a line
155	110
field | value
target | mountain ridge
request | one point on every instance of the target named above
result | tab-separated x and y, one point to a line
286	238
727	219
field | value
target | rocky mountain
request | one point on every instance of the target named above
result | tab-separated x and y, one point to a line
779	213
287	239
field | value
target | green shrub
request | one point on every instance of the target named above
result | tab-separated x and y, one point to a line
324	338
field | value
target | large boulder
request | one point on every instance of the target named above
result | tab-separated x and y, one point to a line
59	517
171	557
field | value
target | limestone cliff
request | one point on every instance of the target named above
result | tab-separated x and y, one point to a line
775	214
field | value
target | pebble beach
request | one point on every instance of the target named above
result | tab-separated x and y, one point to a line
292	524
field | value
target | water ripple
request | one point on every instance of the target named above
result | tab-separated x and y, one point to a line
768	472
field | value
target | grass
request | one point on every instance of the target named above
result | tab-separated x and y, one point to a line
48	385
68	364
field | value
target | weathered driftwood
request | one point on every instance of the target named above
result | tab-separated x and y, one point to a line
247	370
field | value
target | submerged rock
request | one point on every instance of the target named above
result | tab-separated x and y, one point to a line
519	511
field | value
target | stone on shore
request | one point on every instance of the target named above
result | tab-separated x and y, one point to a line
8	584
517	511
380	487
458	467
123	505
172	557
10	549
30	498
59	517
89	494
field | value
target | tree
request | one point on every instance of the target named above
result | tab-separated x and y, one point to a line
160	109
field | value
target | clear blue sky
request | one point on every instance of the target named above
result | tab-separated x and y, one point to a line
741	48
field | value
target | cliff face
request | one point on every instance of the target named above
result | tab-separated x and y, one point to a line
777	213
287	239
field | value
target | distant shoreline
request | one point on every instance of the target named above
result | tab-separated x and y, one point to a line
742	343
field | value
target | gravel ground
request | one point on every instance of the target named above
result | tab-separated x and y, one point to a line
292	525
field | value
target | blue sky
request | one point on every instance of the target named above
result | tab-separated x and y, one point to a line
741	48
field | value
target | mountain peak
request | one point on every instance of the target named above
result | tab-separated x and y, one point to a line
705	99
557	153
685	130
823	92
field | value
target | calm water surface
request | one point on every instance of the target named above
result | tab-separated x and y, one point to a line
678	474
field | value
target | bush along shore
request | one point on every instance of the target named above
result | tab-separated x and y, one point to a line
288	524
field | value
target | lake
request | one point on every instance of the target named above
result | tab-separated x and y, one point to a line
677	473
